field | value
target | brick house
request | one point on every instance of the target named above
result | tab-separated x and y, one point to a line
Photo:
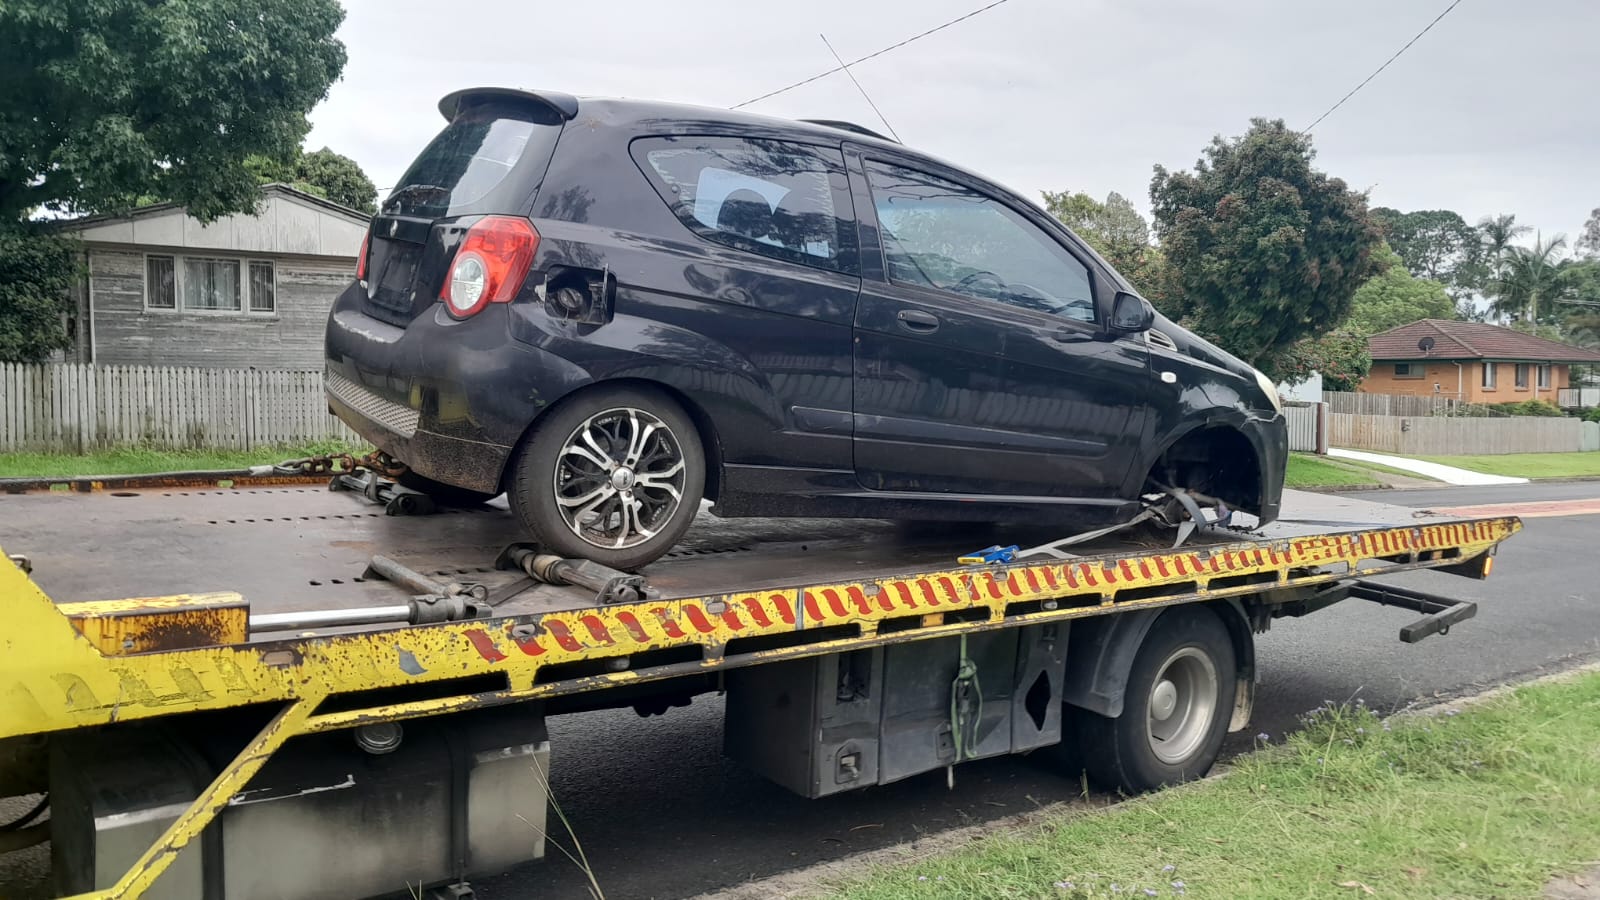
1470	361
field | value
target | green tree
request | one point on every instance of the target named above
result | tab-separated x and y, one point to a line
1589	239
1430	243
1496	235
113	100
1263	249
326	174
1395	297
1340	356
1532	280
36	274
1117	232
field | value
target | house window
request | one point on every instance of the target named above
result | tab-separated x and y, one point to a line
1544	377
1489	375
160	283
1522	376
263	288
1409	370
210	285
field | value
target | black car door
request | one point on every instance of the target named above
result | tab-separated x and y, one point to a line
981	362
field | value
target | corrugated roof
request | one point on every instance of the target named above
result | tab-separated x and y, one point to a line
1472	340
274	187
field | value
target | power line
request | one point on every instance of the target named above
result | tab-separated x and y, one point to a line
863	90
842	67
1375	72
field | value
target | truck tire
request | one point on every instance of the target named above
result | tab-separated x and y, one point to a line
614	475
1175	711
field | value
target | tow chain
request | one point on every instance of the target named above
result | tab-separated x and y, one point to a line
343	464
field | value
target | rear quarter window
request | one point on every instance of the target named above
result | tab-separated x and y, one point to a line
783	200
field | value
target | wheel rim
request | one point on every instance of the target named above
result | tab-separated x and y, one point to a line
619	478
1183	705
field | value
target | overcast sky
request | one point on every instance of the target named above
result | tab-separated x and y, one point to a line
1497	109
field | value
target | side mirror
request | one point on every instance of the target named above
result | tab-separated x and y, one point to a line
1131	314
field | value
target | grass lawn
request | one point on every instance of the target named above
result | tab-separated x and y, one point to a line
1489	803
1307	470
137	461
1527	465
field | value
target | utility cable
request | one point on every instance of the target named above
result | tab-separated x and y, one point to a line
1416	37
873	55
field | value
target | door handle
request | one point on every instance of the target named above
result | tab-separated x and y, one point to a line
1065	335
916	320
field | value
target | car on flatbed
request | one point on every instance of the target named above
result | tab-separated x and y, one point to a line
611	309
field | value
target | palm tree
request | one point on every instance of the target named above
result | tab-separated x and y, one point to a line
1496	234
1529	280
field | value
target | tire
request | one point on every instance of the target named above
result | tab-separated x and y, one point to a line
1189	649
568	486
443	494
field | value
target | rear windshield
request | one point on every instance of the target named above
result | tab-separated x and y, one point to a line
471	157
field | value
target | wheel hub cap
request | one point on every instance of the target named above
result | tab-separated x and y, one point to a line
1164	700
1183	706
622	479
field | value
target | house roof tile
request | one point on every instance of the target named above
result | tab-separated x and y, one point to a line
1472	340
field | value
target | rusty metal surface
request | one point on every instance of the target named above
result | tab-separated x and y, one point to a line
116	627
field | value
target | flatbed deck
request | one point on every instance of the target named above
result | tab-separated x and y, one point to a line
301	548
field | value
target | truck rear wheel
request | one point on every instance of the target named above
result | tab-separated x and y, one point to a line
1176	708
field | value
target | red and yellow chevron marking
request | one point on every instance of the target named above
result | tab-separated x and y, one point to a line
53	677
720	619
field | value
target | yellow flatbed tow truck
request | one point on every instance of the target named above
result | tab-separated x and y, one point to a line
268	689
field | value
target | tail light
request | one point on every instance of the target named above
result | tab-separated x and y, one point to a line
490	264
361	256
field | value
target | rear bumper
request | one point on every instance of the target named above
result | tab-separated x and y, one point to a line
450	399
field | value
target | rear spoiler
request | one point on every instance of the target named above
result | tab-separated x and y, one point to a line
563	105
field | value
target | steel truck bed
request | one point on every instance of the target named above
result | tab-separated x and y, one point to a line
81	649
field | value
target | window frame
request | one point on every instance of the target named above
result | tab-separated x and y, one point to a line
144	282
1419	375
1520	378
272	282
1544	376
867	214
1489	379
178	309
847	261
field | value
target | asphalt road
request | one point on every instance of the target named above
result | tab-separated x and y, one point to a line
661	814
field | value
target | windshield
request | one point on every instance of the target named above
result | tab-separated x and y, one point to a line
470	158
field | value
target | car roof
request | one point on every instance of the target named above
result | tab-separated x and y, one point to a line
641	113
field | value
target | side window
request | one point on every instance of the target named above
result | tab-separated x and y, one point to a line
939	234
787	201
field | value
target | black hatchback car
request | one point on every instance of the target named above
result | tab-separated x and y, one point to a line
612	309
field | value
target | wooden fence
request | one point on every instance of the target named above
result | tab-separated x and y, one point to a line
1447	436
75	409
1389	404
